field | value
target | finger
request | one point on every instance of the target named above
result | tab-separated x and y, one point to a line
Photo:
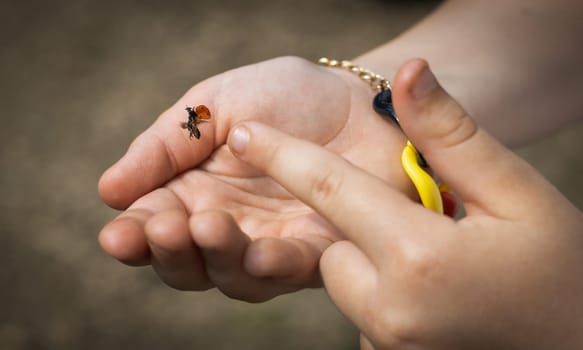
174	256
465	156
157	155
348	197
286	260
124	238
350	280
365	344
223	246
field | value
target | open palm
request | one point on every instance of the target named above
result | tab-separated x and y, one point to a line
203	219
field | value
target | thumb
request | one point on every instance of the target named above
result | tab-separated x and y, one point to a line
469	160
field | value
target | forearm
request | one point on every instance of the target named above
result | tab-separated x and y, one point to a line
514	65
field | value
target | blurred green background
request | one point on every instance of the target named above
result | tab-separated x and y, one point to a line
79	80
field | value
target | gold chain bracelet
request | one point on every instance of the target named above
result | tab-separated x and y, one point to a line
383	101
376	81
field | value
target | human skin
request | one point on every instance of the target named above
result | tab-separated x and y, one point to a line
513	65
506	276
279	240
169	187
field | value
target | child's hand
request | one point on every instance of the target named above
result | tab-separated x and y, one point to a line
507	276
203	218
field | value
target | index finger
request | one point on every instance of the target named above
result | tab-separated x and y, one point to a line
362	206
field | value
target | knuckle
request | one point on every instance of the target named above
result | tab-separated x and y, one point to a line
392	330
325	184
419	262
268	157
457	128
448	125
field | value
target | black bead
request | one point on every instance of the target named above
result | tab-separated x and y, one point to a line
421	161
383	105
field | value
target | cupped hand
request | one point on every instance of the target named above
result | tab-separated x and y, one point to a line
506	276
203	218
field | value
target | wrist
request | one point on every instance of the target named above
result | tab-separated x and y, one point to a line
368	140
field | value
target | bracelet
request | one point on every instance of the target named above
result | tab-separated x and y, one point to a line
376	81
433	196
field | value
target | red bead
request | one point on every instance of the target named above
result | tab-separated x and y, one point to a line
450	204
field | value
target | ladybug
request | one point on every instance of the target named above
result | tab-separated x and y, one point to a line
196	116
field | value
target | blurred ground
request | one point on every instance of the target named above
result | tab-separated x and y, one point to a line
79	80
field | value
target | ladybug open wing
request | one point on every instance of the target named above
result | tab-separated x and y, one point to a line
195	132
203	112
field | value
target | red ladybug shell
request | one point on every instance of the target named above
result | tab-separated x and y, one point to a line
203	112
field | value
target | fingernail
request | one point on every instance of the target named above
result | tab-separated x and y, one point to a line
424	84
239	139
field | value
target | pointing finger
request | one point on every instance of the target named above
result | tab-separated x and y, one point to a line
345	195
